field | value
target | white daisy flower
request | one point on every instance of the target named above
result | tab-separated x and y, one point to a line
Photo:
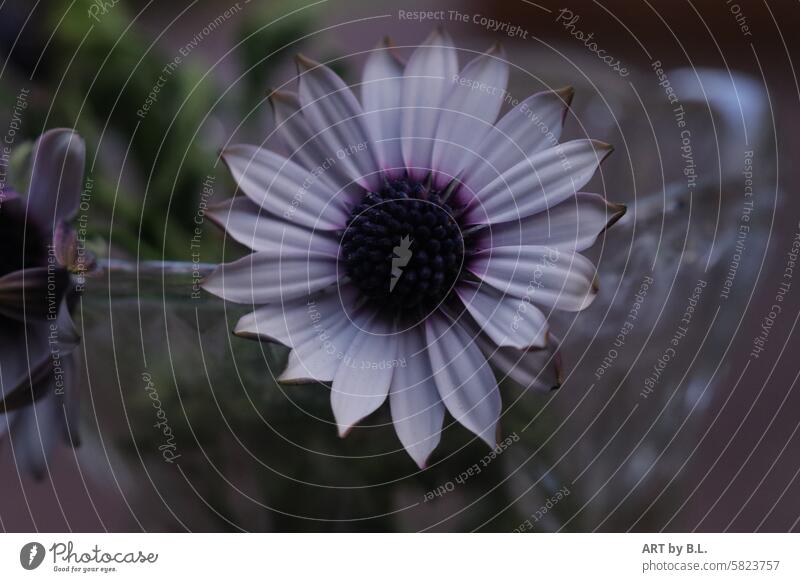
412	241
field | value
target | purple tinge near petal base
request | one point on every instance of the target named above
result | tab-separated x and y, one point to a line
381	92
417	409
508	320
247	223
533	125
540	182
272	276
468	112
335	116
364	376
56	176
427	82
574	225
546	276
285	188
465	382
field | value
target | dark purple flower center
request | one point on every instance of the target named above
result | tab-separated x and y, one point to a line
403	247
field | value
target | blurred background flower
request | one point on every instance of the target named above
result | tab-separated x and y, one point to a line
39	364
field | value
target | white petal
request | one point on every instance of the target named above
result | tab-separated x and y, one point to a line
547	178
535	369
318	329
305	147
295	322
573	225
362	381
251	225
468	113
335	116
531	126
272	276
417	409
507	320
551	278
427	82
381	91
284	188
56	176
317	359
464	379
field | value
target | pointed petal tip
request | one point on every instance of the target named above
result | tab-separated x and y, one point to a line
543	340
604	149
240	331
388	45
497	50
559	366
421	462
226	152
595	288
438	36
567	94
618	211
492	441
304	63
246	335
281	96
234	150
216	212
70	435
284	378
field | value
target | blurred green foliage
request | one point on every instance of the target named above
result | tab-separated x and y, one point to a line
153	111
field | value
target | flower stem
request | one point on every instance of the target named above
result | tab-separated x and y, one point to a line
153	268
124	280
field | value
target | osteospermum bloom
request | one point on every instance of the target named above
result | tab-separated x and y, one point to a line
411	241
38	340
